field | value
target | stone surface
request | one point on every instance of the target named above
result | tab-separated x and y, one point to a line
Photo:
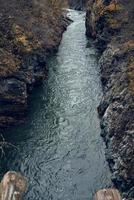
110	24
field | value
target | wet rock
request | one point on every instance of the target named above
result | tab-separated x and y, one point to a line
13	101
13	90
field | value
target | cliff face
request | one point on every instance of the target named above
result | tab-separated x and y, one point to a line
77	4
29	31
110	23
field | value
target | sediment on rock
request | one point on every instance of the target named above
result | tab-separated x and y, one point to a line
29	32
110	24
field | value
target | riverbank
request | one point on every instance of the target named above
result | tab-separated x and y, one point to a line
59	149
110	23
27	37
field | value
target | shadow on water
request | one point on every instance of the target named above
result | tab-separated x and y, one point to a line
60	150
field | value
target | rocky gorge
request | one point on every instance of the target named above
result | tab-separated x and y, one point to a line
59	149
28	37
110	24
29	32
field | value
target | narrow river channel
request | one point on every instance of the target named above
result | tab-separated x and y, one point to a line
60	150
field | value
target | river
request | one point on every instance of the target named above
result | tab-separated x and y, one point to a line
60	150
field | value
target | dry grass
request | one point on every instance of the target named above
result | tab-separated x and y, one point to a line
23	38
26	26
128	46
8	63
113	7
114	23
100	9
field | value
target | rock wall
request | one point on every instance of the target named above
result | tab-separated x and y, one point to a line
77	4
29	32
110	24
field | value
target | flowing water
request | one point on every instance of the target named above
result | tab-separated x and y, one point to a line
60	150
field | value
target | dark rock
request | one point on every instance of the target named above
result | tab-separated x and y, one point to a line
105	23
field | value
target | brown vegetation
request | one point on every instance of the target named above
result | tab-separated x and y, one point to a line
25	27
29	31
8	63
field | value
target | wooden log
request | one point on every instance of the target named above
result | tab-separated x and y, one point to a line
13	186
107	194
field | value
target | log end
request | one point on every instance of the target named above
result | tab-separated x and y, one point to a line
107	194
13	186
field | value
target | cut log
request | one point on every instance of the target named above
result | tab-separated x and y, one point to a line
107	194
13	186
